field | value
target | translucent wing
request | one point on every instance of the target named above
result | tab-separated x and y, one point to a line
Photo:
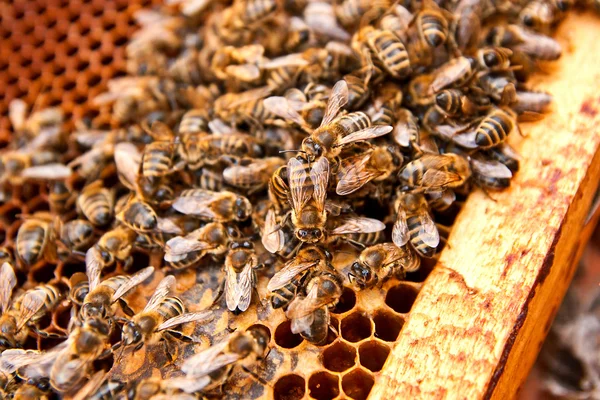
209	360
162	290
185	318
185	384
238	288
178	247
250	95
92	267
48	171
319	174
197	202
435	178
14	359
90	387
302	306
297	176
132	282
218	126
290	60
245	72
492	169
353	175
31	303
127	160
303	324
272	238
8	281
428	232
365	134
358	225
290	270
321	18
400	232
337	100
449	73
281	107
168	225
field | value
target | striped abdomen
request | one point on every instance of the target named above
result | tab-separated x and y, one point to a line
97	207
366	239
391	52
193	121
157	159
31	241
353	122
283	296
433	28
170	307
493	130
255	10
282	78
417	243
51	296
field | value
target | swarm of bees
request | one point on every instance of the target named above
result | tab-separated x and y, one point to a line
264	137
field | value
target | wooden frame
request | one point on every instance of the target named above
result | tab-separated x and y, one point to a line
483	313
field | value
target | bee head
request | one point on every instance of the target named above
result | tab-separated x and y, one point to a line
360	275
311	235
131	334
242	208
312	148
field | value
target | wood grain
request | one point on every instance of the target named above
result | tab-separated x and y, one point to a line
479	321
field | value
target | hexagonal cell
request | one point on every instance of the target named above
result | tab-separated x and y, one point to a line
324	386
356	327
357	384
373	355
423	272
289	387
346	303
44	273
284	337
339	357
401	297
387	325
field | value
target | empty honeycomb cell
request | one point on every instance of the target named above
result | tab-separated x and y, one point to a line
289	387
387	325
423	272
347	301
373	354
323	386
356	327
284	337
400	298
37	204
357	384
140	261
9	212
43	273
71	267
339	357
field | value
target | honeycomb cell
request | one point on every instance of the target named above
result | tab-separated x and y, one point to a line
284	337
289	387
423	272
387	325
140	261
346	303
400	298
9	212
44	273
324	386
357	384
356	327
71	267
339	357
373	354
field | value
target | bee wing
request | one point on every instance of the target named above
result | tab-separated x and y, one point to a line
290	60
303	324
185	318
493	169
281	107
250	95
180	246
238	288
358	225
401	133
337	100
296	98
8	281
14	359
297	177
365	134
48	171
127	160
132	282
302	306
400	231
448	74
92	267
220	127
272	238
245	72
90	387
167	225
251	53
428	232
197	204
319	174
436	178
17	113
185	384
31	303
353	175
248	174
290	270
162	290
320	17
208	360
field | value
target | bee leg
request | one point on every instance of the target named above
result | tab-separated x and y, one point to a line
46	335
167	351
126	309
487	194
354	243
255	376
220	292
443	228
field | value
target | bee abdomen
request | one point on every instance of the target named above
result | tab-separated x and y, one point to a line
171	307
434	31
30	240
283	296
492	131
96	208
354	122
158	159
392	53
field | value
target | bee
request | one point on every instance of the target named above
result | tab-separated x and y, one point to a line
213	206
139	216
156	322
114	245
61	198
286	283
358	92
193	122
15	162
322	291
210	368
386	105
299	35
279	189
435	172
406	130
431	25
375	164
506	155
75	235
184	251
453	102
6	255
247	13
252	174
378	263
455	72
18	321
350	12
397	21
90	164
98	388
537	102
521	39
494	58
96	203
247	107
466	24
356	230
240	276
159	388
492	175
321	18
495	127
498	86
33	389
388	51
540	15
414	224
441	200
36	239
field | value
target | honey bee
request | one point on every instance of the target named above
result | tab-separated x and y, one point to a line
495	127
14	163
240	276
435	172
455	72
114	245
157	321
61	198
6	255
358	91
356	230
431	25
321	18
33	389
494	58
506	155
537	102
492	175
415	225
98	388
378	263
162	389
184	251
210	368
244	14
36	239
252	174
540	15
453	102
309	313
279	190
521	39
498	86
383	46
75	235
89	164
374	165
96	203
32	126
442	200
213	206
466	24
406	129
350	12
286	283
141	217
247	107
397	20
